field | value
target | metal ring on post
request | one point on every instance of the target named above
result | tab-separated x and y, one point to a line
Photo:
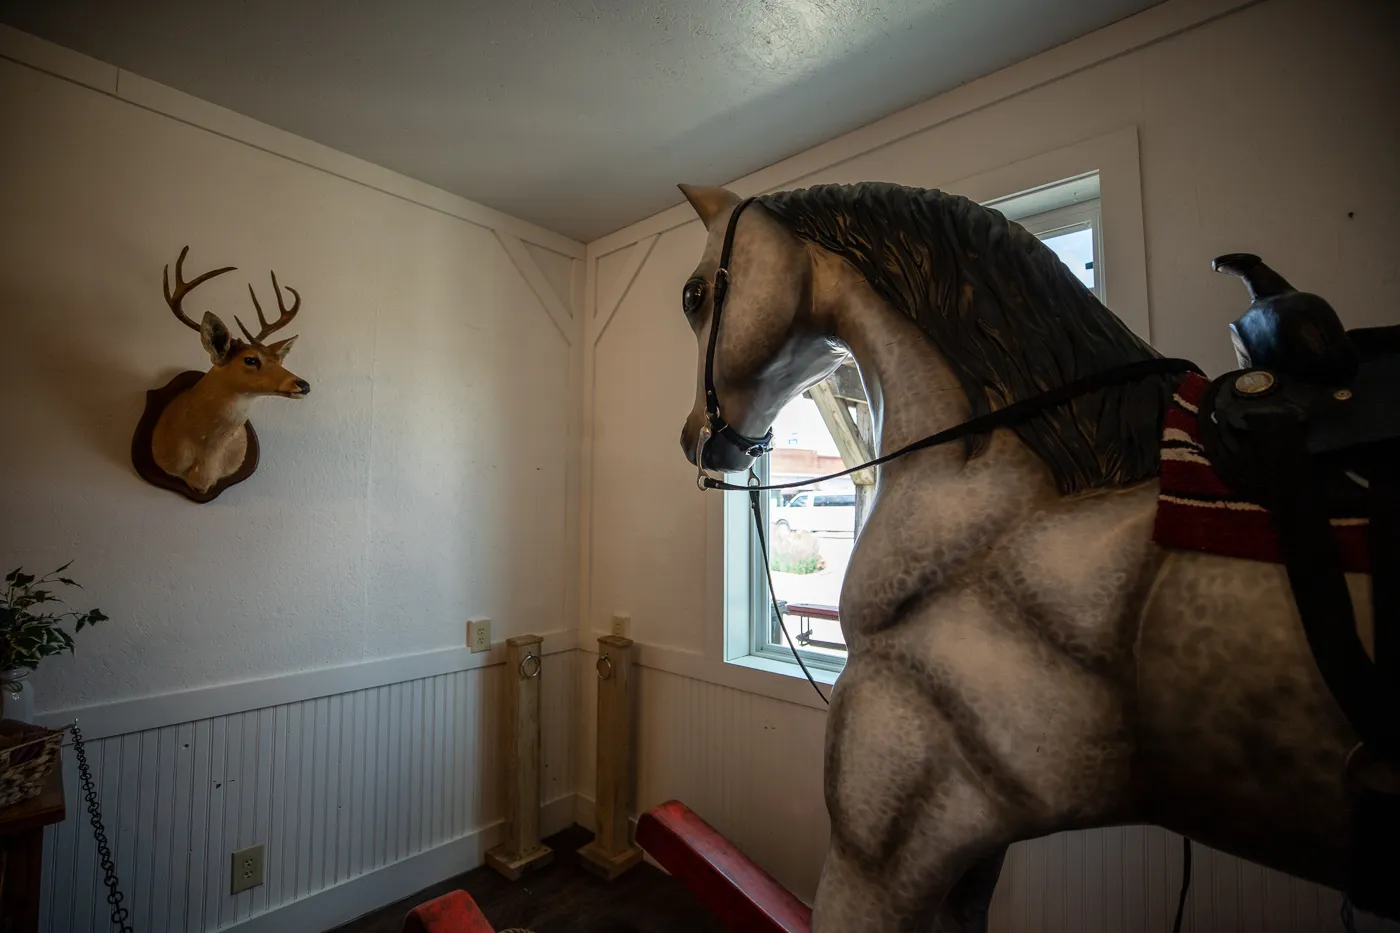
533	672
604	659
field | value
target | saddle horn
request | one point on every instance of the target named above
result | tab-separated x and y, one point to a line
1286	330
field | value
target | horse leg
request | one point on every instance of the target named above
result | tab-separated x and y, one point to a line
916	837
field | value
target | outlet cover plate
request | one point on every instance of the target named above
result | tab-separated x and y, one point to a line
247	868
479	635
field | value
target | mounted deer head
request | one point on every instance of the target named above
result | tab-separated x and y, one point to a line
201	435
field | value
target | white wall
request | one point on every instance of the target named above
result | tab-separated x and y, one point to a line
309	625
1267	128
422	482
360	798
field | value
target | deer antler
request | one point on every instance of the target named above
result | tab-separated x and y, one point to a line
283	319
183	288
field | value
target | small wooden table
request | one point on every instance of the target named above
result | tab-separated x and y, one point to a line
22	854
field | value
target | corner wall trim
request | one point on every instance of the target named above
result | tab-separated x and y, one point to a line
137	715
529	270
641	252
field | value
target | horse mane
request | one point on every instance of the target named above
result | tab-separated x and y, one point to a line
1007	315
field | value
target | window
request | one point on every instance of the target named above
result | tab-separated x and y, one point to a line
811	531
1074	234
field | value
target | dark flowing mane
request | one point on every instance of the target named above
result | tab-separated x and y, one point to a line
1005	313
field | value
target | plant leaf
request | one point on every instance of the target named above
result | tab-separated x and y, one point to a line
67	582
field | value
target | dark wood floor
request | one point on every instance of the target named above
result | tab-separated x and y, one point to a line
564	898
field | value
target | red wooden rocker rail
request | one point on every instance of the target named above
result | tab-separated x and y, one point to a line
742	895
454	912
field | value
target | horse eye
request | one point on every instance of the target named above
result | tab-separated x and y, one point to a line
692	295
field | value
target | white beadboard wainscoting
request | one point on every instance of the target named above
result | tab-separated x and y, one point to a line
751	766
361	795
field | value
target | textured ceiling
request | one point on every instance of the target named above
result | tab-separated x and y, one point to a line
577	115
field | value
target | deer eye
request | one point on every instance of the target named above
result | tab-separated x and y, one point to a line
692	295
251	360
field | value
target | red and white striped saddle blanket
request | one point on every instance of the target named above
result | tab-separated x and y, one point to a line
1198	512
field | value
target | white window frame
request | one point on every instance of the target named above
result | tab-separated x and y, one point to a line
761	607
1094	184
1057	222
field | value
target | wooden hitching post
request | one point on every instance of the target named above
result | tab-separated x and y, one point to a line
611	852
522	850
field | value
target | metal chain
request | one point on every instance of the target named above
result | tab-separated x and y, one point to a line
114	897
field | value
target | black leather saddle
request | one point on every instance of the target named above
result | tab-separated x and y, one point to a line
1309	427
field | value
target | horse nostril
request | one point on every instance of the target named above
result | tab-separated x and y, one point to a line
303	386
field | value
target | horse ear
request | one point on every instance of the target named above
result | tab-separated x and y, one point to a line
708	202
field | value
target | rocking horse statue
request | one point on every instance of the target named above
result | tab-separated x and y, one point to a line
1053	620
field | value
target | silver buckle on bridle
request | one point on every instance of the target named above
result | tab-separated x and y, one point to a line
700	442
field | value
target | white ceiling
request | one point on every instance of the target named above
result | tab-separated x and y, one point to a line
578	115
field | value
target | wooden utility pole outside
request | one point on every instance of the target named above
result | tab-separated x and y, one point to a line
853	437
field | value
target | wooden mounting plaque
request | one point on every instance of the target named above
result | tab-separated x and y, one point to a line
144	460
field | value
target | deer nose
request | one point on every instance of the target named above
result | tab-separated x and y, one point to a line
303	387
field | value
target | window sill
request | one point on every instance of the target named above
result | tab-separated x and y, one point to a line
785	668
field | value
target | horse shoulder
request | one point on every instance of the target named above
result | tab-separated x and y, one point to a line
1078	571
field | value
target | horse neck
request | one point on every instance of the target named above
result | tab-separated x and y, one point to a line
912	391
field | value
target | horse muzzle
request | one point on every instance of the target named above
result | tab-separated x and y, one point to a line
724	451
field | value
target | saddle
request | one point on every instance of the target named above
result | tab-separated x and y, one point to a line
1309	428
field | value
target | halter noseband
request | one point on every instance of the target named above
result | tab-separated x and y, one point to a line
715	425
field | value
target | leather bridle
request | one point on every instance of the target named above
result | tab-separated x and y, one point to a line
715	425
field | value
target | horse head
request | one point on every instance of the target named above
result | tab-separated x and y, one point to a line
772	343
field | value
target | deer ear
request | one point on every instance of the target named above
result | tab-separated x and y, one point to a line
281	348
215	337
708	202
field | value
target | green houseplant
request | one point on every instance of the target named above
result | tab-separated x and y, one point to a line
31	624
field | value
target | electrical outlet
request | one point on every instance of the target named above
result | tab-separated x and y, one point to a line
479	635
247	868
622	624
